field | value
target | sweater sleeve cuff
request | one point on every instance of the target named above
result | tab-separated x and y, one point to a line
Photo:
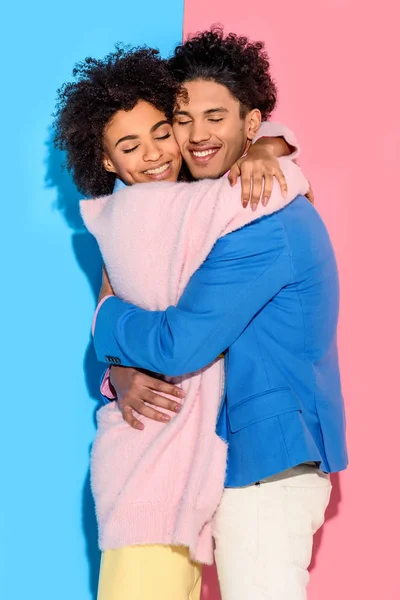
273	129
106	389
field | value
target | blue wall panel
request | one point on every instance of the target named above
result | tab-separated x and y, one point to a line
50	274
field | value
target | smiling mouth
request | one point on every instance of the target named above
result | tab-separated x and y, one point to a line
203	156
158	170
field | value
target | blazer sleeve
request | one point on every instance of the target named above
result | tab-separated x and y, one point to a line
244	271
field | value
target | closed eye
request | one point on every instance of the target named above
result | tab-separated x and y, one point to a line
130	150
215	120
183	122
164	137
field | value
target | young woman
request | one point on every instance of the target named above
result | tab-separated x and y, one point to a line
156	491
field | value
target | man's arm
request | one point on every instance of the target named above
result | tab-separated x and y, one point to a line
243	272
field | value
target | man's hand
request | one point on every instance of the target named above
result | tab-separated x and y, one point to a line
106	289
257	171
135	390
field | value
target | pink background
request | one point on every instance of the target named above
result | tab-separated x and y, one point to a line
336	64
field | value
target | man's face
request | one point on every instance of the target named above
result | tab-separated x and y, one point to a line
209	129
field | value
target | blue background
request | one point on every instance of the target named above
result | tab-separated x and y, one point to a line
50	275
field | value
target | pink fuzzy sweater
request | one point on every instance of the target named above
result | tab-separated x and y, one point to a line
163	485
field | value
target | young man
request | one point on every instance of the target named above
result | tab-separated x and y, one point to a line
267	296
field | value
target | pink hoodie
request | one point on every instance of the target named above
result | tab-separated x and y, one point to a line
163	485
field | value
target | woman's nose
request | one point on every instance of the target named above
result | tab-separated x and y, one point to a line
152	153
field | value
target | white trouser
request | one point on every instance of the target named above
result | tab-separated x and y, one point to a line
264	535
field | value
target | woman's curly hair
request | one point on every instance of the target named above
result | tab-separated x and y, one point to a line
100	89
233	61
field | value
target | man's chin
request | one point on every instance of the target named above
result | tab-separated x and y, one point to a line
204	173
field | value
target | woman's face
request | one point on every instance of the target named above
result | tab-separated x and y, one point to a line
139	146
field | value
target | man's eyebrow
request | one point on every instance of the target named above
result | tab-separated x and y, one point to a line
135	137
220	109
209	111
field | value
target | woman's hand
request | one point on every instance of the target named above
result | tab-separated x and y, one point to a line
136	390
257	171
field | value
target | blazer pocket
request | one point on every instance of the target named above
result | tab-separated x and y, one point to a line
262	406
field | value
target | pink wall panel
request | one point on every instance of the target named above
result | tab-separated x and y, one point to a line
336	64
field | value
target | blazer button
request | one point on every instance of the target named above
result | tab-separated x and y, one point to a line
113	360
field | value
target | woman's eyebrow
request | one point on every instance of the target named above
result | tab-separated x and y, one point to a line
159	124
135	137
125	138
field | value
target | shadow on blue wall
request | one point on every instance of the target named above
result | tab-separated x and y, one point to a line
89	260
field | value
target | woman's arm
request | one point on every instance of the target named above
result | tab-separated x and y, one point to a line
259	166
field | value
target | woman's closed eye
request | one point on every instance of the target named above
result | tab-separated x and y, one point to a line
129	150
164	137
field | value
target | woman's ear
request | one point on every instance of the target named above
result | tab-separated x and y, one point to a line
108	164
253	122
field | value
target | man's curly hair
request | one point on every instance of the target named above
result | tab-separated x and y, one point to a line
100	89
230	60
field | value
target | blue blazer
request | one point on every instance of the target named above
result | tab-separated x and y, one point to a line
268	295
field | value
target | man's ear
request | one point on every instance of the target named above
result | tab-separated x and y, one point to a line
108	164
253	122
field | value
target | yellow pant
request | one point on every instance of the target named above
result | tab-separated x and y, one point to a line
149	573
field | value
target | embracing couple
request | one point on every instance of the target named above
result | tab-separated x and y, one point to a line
218	318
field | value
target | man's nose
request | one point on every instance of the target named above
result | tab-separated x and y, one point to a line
199	133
